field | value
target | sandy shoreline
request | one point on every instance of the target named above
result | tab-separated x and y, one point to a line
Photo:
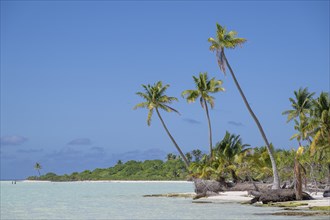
242	196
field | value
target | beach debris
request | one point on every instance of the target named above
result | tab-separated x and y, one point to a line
277	195
326	193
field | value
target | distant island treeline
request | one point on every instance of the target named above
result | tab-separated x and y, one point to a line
171	169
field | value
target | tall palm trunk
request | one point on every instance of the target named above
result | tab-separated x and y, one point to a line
174	142
276	182
210	128
298	183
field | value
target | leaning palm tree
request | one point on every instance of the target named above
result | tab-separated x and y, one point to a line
156	99
38	167
204	86
229	40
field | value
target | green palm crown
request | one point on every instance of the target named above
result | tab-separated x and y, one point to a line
155	98
224	40
204	86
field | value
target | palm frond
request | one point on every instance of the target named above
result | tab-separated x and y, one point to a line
223	40
143	95
168	108
141	105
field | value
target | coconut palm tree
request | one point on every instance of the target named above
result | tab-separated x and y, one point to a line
189	156
156	99
301	108
229	40
38	167
320	121
301	105
227	152
204	86
303	133
260	163
197	155
170	156
319	125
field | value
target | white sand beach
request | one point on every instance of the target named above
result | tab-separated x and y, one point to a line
230	196
242	196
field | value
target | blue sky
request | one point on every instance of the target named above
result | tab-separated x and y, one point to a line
70	71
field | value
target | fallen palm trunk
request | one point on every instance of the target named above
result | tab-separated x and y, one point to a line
277	195
205	188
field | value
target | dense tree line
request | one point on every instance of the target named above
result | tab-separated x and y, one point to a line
172	169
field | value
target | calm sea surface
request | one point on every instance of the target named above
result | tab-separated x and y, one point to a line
114	200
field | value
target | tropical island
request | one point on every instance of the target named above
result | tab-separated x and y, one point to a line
230	161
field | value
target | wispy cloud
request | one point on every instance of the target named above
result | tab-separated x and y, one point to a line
191	121
12	140
80	141
29	151
235	123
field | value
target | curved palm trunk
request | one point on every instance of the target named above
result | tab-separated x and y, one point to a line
174	142
210	128
276	183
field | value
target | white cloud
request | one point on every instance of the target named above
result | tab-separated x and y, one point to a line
12	140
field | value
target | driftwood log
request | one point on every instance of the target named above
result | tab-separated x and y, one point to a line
277	195
213	186
204	188
208	186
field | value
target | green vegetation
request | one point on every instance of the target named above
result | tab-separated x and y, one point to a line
173	169
302	213
233	161
320	208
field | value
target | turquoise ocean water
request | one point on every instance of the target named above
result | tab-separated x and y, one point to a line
114	200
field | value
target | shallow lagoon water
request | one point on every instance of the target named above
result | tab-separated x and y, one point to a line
116	200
